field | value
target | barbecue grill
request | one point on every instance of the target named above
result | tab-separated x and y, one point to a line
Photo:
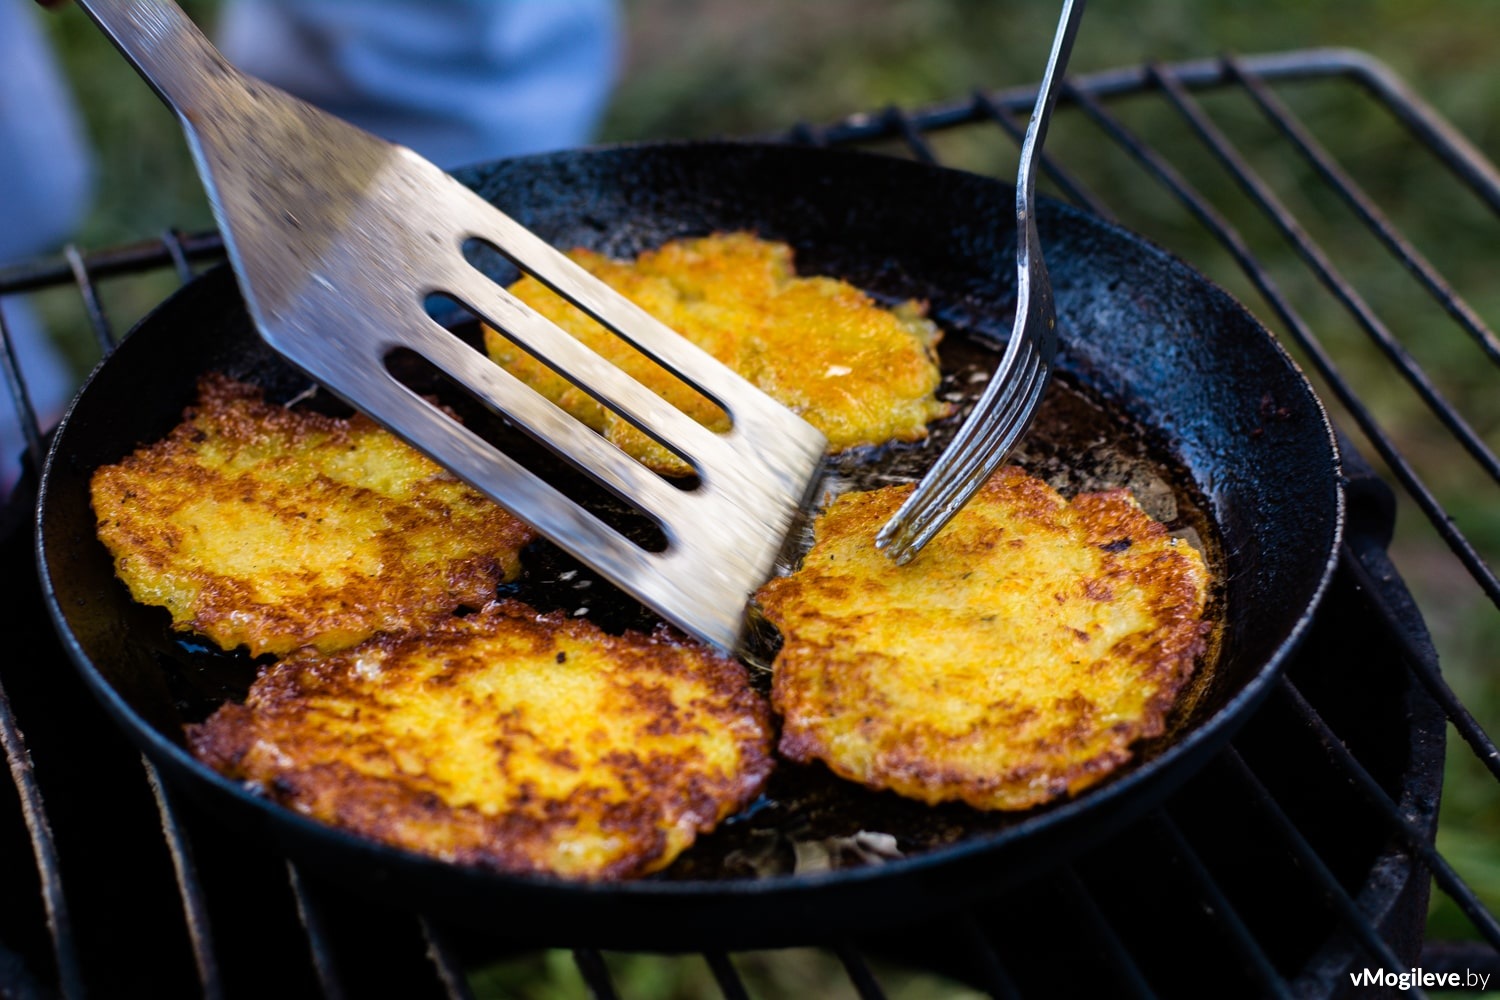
1302	853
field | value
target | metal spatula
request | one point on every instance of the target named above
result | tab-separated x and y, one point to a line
338	237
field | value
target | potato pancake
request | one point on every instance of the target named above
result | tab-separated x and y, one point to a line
270	528
506	739
1013	661
857	371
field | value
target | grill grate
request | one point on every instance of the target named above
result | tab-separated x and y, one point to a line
1301	852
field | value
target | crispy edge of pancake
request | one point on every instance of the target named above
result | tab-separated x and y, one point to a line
739	298
150	504
834	686
310	737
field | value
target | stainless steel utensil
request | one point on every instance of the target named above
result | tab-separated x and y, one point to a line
1011	399
337	238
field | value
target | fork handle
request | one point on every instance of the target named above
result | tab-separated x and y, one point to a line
168	50
1046	100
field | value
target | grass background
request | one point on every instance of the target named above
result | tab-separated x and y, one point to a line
730	67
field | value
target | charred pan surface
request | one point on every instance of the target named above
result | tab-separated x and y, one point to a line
859	372
1013	661
506	739
270	528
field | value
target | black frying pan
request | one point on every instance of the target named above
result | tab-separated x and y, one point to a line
1185	375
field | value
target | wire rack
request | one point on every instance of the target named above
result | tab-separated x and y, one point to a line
1303	853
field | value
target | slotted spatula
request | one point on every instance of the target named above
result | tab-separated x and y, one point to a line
338	238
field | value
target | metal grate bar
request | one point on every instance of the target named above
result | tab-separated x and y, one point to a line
1218	906
1370	789
1131	980
901	124
1462	956
909	128
726	975
189	887
15	382
1196	74
1427	126
1361	204
1422	659
595	973
319	942
860	973
1286	223
133	258
444	959
1229	236
44	848
1328	885
104	335
172	240
1071	187
986	958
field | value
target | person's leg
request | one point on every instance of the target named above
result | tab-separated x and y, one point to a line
45	169
44	159
457	80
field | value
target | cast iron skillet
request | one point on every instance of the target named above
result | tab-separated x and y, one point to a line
1167	350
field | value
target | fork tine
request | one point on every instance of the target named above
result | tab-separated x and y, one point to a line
1012	413
974	472
1008	411
968	462
989	409
1019	358
936	492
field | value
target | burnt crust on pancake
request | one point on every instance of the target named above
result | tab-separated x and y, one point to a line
860	372
272	528
1014	661
506	739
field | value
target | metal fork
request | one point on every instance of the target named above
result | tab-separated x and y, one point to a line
1011	399
338	238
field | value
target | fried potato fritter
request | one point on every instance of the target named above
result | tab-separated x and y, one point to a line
1013	661
860	373
506	739
272	528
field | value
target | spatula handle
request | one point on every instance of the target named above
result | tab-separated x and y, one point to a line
168	50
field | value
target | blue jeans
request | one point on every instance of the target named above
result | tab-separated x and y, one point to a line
457	80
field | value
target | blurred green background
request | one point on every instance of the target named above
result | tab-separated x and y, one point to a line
734	67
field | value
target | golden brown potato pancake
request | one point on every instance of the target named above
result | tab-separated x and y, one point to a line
270	528
507	739
1013	661
859	372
